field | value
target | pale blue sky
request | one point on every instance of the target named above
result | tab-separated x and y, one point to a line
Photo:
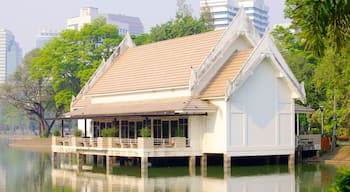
26	18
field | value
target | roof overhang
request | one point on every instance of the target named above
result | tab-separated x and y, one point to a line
160	107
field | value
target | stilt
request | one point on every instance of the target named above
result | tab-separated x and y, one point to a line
291	163
53	159
144	162
192	165
144	167
80	161
204	165
109	164
227	166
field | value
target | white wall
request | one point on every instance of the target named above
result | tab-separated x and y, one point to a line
197	127
214	139
262	115
81	126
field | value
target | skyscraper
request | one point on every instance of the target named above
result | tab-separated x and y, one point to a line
10	54
125	24
223	11
44	37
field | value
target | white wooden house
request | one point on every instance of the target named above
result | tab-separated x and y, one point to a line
229	91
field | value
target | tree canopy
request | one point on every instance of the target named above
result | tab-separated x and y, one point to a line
70	59
321	22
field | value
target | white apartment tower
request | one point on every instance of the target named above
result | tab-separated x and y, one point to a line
87	15
10	54
224	10
125	24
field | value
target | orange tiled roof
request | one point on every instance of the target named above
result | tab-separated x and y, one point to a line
217	86
157	65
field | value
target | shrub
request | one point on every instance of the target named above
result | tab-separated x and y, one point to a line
145	132
179	132
315	131
56	133
342	181
77	133
109	132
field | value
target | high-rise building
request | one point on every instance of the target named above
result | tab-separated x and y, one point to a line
87	15
125	24
44	37
223	11
10	54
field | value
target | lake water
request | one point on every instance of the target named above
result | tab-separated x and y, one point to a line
33	172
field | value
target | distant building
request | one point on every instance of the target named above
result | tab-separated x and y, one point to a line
87	15
125	24
223	12
44	37
10	54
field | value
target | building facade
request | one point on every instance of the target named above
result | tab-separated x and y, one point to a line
44	37
226	92
223	12
125	24
10	54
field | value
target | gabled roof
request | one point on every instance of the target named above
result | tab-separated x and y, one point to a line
240	35
217	87
266	49
157	65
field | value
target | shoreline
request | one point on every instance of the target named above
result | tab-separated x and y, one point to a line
29	143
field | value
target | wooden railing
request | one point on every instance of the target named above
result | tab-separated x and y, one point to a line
115	142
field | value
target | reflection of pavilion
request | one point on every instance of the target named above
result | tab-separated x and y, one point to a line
87	181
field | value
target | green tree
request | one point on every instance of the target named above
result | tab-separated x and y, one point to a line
320	21
70	59
302	62
183	24
32	95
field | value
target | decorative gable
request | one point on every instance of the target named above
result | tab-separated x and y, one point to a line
266	49
240	35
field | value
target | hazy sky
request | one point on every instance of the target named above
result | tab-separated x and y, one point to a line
25	18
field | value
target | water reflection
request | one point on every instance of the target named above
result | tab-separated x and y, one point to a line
176	179
25	171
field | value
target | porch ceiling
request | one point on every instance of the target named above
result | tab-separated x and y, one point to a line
183	105
299	109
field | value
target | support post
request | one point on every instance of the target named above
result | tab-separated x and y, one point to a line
227	166
62	128
204	164
109	164
192	165
144	167
80	161
53	159
85	127
291	163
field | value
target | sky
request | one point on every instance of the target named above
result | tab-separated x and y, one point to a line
25	19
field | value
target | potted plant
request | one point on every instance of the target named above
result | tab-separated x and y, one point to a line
77	140
106	139
179	141
145	141
55	137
